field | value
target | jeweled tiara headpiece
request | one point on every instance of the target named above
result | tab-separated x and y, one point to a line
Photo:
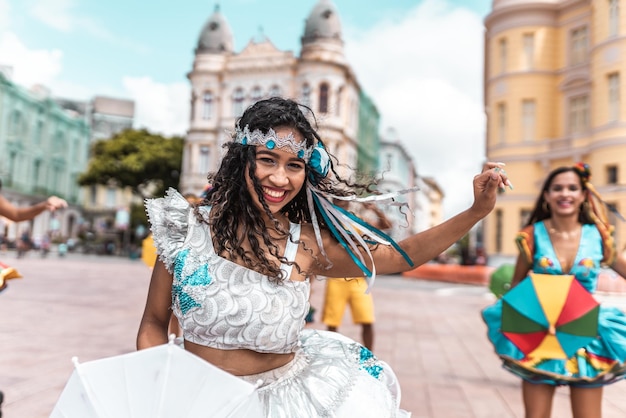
272	141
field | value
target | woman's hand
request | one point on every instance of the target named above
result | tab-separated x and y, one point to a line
53	203
486	183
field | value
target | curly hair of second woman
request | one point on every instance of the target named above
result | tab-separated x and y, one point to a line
235	218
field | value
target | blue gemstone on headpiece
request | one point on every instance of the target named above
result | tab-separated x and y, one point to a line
244	141
301	154
270	144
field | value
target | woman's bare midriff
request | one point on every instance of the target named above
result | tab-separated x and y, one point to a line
239	362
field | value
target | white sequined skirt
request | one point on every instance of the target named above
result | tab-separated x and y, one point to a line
330	376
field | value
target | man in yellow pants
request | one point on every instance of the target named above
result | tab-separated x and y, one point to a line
351	291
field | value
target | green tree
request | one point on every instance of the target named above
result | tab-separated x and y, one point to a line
147	163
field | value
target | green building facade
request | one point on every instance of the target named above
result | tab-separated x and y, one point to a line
368	136
44	148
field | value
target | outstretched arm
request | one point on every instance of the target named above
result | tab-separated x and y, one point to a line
426	245
17	214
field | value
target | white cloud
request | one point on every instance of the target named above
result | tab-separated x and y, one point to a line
159	107
424	73
5	9
62	15
55	13
30	67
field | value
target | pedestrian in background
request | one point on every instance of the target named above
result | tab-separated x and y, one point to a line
352	291
567	234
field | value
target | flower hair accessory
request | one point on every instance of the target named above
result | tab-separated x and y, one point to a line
584	170
272	141
319	162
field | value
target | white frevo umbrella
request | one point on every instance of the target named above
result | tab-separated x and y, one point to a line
159	382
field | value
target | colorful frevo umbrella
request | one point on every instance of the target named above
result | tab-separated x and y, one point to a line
549	316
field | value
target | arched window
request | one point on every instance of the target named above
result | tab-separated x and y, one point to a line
256	94
238	98
207	105
613	17
15	126
275	91
192	112
323	102
339	97
203	163
306	94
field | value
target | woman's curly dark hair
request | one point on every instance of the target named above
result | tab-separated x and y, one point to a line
235	219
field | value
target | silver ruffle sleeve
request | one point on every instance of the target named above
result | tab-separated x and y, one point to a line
169	217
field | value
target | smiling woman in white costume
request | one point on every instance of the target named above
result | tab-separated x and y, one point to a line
236	268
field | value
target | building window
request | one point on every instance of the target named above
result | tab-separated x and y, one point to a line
614	97
203	163
503	55
579	43
36	172
611	174
256	94
110	198
275	91
323	102
501	123
498	236
38	132
15	127
528	120
306	95
192	112
613	17
207	105
12	166
524	217
529	50
93	192
578	114
238	98
339	97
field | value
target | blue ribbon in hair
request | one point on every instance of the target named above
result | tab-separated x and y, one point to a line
374	234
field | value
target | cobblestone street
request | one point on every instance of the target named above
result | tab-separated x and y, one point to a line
90	306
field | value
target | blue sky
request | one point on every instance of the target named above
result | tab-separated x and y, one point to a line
143	51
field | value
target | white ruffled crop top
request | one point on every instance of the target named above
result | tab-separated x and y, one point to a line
219	303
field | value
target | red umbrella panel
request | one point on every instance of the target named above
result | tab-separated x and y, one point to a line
549	316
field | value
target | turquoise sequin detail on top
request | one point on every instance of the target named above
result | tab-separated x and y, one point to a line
369	363
183	286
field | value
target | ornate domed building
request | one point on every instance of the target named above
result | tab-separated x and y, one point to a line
224	83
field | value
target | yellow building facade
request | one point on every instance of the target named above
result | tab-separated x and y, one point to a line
554	76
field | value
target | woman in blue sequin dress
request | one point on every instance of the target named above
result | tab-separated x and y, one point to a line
567	234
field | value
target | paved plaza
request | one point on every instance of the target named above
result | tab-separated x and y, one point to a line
90	306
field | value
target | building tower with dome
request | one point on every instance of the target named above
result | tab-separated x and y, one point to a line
224	83
553	83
